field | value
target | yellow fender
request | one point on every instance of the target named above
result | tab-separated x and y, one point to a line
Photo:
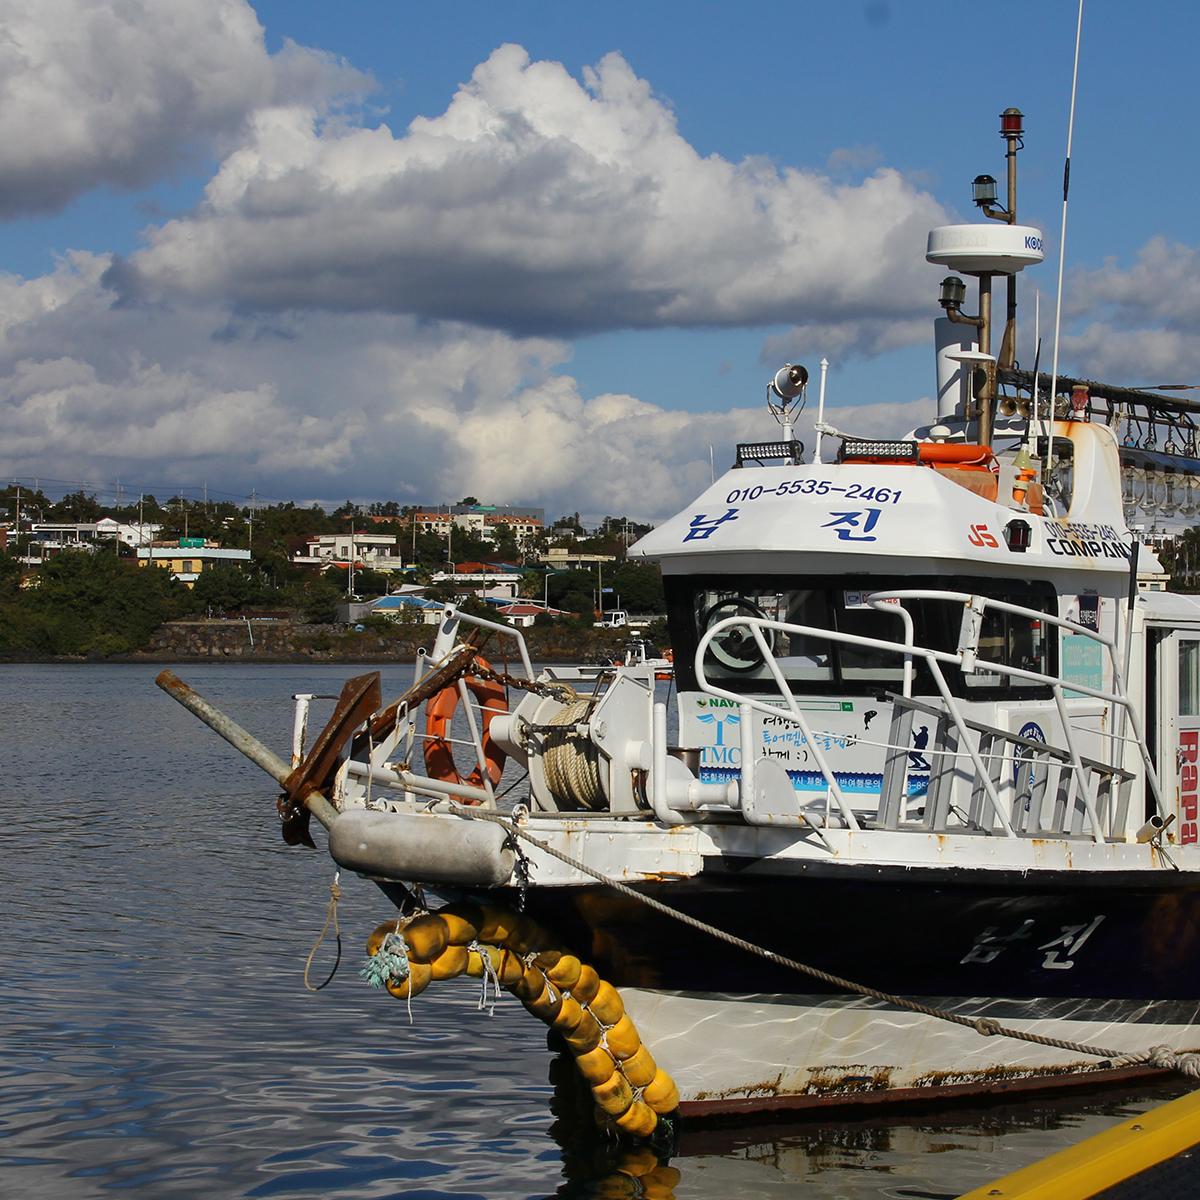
628	1086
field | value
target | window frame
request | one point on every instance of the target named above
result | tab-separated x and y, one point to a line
936	625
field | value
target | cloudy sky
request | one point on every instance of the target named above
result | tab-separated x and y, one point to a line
543	253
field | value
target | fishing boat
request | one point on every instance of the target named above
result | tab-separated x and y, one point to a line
637	652
922	819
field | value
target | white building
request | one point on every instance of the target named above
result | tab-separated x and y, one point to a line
130	534
185	558
561	558
48	538
488	585
378	551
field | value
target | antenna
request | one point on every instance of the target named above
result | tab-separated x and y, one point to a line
1062	241
1037	341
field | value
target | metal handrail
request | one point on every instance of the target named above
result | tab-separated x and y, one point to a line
964	658
1117	697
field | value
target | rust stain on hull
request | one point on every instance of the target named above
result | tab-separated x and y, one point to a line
824	1081
842	1088
993	1075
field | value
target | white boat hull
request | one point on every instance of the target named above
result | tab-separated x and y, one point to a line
741	1053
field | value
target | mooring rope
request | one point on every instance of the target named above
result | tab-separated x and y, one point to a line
335	894
1163	1057
572	773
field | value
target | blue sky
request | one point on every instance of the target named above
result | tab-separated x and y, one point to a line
232	258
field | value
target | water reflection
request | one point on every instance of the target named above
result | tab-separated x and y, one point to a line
931	1154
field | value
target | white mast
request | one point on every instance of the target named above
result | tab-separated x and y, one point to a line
1062	241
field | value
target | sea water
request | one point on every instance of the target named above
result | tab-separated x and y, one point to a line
156	1037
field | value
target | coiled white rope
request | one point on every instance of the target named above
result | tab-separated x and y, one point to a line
569	757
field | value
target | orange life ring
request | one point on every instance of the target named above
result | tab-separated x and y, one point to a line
439	712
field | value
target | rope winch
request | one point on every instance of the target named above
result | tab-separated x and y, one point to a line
569	758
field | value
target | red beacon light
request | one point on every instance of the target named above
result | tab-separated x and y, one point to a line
1012	123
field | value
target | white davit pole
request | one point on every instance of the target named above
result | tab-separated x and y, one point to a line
820	410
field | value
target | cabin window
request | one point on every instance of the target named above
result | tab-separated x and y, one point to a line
736	651
1013	640
818	665
735	657
1189	678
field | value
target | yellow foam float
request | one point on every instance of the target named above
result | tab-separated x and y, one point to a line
628	1086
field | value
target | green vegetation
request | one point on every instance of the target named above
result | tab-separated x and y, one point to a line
102	603
86	604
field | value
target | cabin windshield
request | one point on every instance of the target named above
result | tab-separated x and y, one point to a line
818	665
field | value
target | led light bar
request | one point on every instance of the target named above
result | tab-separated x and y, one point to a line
878	451
764	452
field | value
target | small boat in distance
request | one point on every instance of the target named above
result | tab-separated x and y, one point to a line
929	825
637	652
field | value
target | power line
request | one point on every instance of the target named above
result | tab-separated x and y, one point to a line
105	488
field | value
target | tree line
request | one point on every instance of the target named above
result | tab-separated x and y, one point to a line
102	603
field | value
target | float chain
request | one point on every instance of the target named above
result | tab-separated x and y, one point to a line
630	1090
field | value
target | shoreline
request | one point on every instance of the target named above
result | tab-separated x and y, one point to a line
288	643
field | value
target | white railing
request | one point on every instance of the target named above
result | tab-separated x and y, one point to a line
967	660
360	775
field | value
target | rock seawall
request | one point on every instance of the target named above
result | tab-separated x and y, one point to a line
286	641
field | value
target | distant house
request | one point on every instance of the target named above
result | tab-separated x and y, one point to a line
483	520
130	534
482	580
522	614
185	557
559	556
48	538
428	611
378	551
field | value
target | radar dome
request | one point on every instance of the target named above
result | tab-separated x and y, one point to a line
974	249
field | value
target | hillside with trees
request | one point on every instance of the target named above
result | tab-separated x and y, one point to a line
102	603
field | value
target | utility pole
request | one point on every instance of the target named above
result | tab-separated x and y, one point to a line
17	538
251	520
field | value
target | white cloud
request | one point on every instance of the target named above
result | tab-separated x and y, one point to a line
329	406
848	339
1137	325
118	92
354	313
536	203
1163	284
